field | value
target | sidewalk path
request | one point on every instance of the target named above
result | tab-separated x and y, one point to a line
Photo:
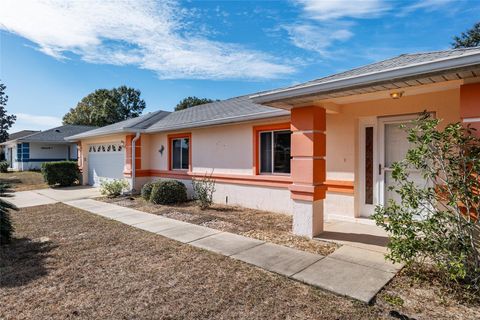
23	199
350	271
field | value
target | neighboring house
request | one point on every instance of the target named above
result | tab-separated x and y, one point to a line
318	150
28	151
14	136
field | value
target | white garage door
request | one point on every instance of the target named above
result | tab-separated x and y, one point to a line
105	162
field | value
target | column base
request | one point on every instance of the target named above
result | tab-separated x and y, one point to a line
307	218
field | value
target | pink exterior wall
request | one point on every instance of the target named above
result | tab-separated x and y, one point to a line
228	150
342	137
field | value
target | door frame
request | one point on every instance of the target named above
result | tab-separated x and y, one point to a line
378	124
366	210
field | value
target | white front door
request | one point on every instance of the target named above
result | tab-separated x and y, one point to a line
382	142
393	146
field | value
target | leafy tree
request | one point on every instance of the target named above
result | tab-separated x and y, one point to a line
6	120
191	102
6	227
103	107
439	220
468	39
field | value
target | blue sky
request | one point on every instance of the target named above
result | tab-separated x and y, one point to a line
52	53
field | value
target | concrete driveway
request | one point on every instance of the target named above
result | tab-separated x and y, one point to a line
32	198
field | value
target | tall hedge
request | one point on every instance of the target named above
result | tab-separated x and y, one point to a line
61	173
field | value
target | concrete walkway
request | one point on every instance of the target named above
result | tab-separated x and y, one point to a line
23	199
360	235
351	271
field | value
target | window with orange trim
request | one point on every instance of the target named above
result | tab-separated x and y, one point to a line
272	145
180	152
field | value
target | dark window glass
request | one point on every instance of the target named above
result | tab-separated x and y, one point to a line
176	154
180	150
275	152
281	152
266	152
184	153
369	165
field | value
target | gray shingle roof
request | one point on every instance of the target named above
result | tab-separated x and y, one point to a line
244	108
400	61
130	125
217	112
396	63
57	134
21	134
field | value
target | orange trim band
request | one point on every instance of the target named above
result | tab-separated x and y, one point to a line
340	186
307	192
255	180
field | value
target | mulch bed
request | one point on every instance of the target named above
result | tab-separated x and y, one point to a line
262	225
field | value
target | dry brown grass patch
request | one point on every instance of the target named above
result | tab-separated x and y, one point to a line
24	180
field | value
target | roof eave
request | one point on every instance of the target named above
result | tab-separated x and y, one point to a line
224	121
367	79
82	136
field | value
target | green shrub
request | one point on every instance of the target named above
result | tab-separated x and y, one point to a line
61	173
4	166
203	190
168	192
146	190
6	227
438	220
113	188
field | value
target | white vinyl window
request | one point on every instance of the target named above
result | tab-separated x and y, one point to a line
180	153
274	152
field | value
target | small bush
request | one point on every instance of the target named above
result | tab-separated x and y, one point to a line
113	188
437	221
203	191
62	173
146	190
6	227
4	166
168	192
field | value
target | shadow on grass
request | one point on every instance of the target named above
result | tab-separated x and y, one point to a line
11	181
23	261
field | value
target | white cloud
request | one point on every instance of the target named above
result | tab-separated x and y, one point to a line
429	5
324	10
327	22
148	34
27	121
315	38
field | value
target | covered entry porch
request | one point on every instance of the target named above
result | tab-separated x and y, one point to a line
346	131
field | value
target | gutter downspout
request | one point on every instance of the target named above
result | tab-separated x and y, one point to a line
134	147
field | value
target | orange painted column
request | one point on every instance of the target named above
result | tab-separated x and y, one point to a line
470	105
127	170
308	170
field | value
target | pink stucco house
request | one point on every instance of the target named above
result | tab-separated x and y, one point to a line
319	150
